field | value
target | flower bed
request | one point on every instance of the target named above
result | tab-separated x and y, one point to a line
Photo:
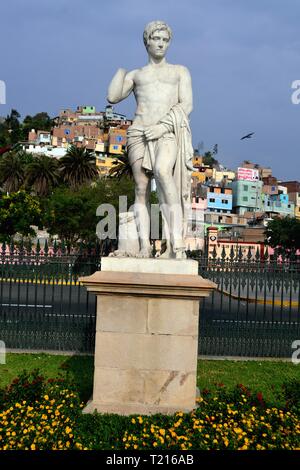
36	414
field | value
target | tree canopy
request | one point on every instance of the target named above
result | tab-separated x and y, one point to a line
71	214
18	212
284	235
208	159
78	166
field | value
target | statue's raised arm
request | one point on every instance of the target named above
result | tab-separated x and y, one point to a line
121	86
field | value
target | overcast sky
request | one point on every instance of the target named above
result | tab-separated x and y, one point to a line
243	56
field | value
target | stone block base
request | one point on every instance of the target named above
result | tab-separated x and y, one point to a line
146	337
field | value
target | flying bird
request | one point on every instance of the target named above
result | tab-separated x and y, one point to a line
248	136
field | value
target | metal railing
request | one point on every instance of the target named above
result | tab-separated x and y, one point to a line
42	303
254	311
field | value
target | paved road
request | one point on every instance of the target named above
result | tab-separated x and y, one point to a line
52	301
45	301
36	316
223	307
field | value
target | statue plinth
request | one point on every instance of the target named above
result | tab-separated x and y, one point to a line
146	335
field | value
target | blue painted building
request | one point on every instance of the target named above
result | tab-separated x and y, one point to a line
246	196
219	199
278	204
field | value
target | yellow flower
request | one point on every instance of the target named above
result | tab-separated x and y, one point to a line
238	430
133	421
162	432
46	397
32	447
68	430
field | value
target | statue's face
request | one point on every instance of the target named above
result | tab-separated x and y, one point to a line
158	44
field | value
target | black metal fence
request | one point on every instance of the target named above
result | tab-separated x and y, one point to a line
42	303
254	311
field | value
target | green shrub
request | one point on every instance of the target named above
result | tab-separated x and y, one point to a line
39	414
291	394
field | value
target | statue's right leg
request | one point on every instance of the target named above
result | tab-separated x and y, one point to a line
142	207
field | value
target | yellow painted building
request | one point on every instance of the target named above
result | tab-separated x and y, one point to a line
219	175
115	149
199	175
104	164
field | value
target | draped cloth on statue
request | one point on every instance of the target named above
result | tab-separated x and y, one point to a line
178	129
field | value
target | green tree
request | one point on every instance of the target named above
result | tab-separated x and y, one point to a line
12	167
284	235
40	121
121	168
42	174
10	129
13	126
78	166
18	212
71	214
208	159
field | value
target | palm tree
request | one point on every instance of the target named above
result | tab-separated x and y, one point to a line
12	168
78	166
42	174
121	168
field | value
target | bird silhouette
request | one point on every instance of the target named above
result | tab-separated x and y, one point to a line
247	136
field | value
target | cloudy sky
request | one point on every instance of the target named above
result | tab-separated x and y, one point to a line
243	56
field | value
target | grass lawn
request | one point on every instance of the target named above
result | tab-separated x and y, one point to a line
262	376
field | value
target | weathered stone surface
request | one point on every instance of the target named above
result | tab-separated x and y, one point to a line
144	351
118	386
150	265
173	316
132	408
170	388
126	314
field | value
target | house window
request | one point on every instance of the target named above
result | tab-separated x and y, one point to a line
212	200
245	187
245	198
224	201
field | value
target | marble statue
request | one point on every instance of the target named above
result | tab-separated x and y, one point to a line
159	140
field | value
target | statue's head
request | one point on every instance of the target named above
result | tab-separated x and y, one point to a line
157	37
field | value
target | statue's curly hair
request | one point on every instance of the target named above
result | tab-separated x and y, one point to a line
155	26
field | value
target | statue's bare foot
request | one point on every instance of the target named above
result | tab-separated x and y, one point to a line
118	253
180	254
145	253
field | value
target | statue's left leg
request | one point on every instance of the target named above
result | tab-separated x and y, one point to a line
170	202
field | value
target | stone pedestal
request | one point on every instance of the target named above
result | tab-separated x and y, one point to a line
146	335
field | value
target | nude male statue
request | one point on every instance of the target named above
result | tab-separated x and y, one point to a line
159	140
